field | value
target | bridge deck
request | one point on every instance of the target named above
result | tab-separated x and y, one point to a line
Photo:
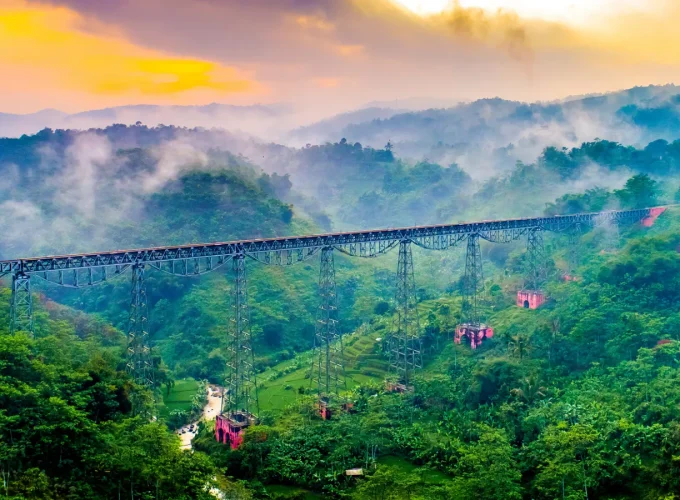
493	230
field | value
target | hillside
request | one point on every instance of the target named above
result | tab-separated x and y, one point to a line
175	193
550	404
480	134
262	119
523	398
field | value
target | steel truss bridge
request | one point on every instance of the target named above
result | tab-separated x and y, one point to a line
404	345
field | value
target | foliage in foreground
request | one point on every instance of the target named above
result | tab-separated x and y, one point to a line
66	429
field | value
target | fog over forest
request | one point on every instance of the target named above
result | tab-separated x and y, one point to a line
573	399
94	180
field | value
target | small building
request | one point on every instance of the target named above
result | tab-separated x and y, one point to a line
354	472
324	410
473	333
229	427
530	299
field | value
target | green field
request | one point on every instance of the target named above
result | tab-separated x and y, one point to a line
363	364
429	476
179	398
283	491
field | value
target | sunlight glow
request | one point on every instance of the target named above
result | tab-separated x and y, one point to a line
569	12
49	53
425	7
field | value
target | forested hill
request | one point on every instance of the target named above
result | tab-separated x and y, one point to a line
139	186
80	192
66	423
481	130
521	417
577	398
92	196
100	177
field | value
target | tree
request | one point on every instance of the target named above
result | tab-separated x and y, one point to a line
530	389
486	468
387	483
519	346
381	308
640	191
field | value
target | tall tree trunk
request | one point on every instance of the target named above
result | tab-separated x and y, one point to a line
585	484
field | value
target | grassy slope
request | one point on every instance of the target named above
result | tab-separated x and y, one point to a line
179	397
284	491
429	476
364	363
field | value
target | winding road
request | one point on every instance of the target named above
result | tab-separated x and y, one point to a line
210	411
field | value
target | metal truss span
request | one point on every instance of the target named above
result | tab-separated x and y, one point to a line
359	243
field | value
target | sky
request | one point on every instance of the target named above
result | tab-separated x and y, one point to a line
335	55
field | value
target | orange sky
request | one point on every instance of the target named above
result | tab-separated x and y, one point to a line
75	55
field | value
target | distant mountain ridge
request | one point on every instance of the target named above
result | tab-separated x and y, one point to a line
247	119
466	133
634	116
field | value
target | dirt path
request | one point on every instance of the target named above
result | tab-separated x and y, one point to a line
214	403
210	411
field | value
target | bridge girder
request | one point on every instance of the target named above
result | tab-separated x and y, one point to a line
537	262
473	283
296	249
139	364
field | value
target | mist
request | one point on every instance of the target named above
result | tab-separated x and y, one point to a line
83	191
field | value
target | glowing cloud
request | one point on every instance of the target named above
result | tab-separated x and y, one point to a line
314	22
425	7
326	83
571	12
90	54
46	51
350	50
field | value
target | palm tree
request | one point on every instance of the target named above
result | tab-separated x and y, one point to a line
519	346
530	389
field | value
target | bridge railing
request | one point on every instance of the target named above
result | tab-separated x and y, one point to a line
289	250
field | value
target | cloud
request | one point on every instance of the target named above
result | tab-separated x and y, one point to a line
173	158
48	45
350	50
314	22
264	51
88	160
501	28
87	192
326	83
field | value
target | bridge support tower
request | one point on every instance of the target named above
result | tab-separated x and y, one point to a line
532	295
608	224
328	366
21	310
473	329
138	350
572	257
239	401
405	343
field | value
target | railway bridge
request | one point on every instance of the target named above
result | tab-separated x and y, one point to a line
404	344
